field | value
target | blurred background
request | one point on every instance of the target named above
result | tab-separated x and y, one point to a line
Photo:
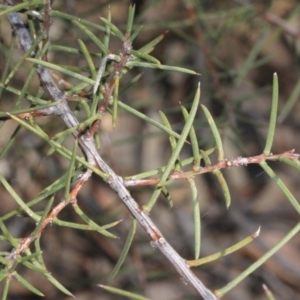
236	46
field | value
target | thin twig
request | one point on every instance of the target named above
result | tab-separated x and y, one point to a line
102	68
236	162
47	24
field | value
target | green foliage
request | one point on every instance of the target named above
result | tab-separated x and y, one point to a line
89	96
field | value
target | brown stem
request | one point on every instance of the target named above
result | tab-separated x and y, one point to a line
236	162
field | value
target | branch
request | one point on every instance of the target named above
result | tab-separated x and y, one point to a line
236	162
88	147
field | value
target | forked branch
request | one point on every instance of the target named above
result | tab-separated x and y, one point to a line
88	148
